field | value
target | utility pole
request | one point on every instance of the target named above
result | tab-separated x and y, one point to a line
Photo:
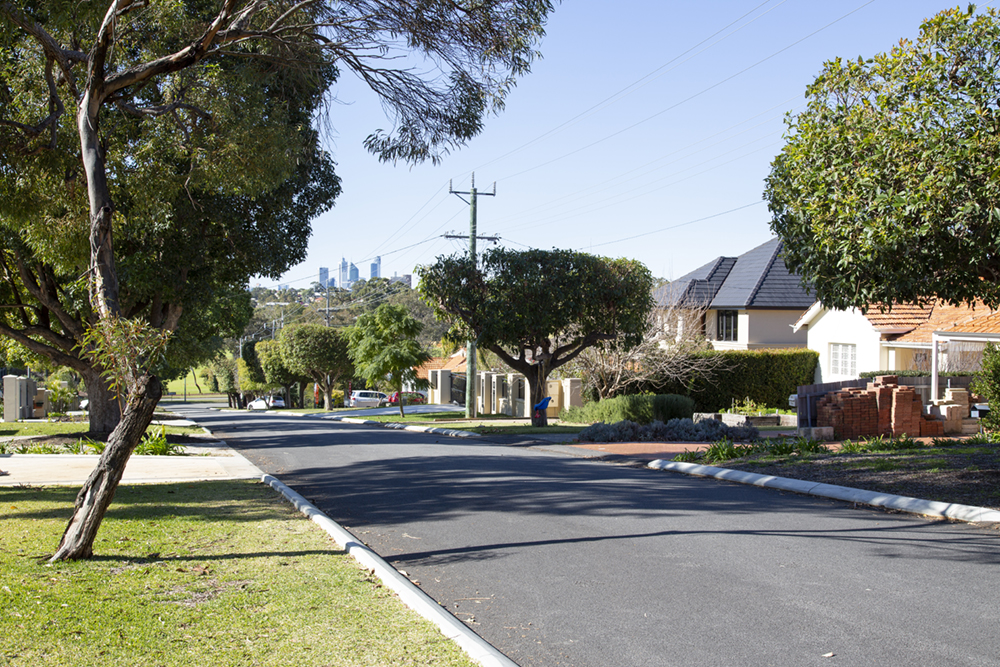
470	357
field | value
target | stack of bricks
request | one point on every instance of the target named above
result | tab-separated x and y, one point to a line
882	408
852	413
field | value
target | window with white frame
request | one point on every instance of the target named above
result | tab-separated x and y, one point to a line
843	359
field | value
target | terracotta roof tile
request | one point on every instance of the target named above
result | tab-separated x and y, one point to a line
901	316
944	316
984	324
423	370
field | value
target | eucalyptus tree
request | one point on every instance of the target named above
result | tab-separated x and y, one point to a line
886	190
123	81
540	309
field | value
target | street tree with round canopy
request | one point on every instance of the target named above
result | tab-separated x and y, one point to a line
537	310
888	187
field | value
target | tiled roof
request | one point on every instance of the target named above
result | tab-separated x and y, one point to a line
983	324
755	279
899	316
697	288
423	370
923	321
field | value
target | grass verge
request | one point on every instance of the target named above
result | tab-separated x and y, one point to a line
965	472
223	572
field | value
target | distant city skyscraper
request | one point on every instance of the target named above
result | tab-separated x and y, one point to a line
345	276
324	276
377	268
354	275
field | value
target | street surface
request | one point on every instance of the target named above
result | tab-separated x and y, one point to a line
558	560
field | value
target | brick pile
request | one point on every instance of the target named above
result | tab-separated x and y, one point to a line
881	408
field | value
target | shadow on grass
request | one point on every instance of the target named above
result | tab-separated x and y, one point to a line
226	500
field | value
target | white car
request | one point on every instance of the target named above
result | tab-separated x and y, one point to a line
257	404
368	399
275	402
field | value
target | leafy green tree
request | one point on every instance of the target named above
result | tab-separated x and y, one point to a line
224	372
123	80
317	352
539	309
886	190
276	372
986	383
384	347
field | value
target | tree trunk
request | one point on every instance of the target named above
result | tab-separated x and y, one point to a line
538	391
99	489
102	407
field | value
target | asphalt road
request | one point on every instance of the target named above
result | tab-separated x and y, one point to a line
563	561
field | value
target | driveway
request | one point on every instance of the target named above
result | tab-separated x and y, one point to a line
558	560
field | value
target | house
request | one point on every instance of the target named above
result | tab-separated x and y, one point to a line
748	302
900	338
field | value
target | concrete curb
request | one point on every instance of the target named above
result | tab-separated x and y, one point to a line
967	513
455	433
477	648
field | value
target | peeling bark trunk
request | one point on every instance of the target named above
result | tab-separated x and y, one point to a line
99	489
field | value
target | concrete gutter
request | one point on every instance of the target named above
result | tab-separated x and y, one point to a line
967	513
413	597
452	432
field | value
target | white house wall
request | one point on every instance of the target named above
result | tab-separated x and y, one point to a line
847	327
773	328
758	329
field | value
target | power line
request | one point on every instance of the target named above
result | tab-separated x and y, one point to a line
644	80
689	98
683	224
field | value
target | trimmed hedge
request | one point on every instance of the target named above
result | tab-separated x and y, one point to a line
638	408
764	376
675	430
870	375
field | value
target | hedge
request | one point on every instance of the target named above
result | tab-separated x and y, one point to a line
638	408
764	376
869	375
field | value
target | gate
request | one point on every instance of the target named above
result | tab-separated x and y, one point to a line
458	389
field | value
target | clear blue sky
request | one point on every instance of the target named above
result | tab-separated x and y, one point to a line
636	175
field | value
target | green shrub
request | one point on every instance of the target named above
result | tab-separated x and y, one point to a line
766	377
987	385
154	443
870	375
638	408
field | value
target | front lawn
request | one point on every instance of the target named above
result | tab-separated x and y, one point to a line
220	573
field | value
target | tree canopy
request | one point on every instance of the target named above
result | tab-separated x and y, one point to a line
887	189
383	344
318	352
188	233
539	309
114	83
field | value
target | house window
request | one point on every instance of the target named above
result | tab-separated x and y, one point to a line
843	359
725	321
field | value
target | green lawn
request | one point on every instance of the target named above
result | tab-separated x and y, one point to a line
13	429
220	573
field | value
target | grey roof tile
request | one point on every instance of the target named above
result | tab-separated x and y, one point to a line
755	279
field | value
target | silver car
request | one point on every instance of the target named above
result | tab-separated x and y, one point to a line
366	398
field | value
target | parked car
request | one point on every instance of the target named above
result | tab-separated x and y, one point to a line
368	399
411	398
257	404
266	402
